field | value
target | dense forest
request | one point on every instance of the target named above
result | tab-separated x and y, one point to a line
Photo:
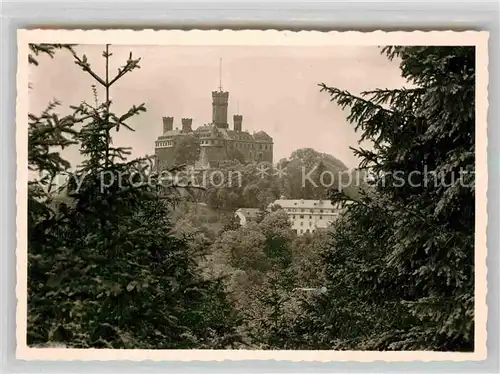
140	265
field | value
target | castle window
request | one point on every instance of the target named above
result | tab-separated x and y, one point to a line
302	217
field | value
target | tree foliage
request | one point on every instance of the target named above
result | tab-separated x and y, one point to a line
186	150
400	270
298	177
104	269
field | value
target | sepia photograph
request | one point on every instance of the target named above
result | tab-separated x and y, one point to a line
223	192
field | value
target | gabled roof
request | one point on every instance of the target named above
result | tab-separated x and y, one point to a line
249	212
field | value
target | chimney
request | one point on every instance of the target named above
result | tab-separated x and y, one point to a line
237	121
186	124
168	124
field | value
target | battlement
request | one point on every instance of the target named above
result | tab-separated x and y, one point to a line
237	122
168	124
220	95
187	124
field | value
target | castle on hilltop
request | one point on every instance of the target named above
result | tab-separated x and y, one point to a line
218	143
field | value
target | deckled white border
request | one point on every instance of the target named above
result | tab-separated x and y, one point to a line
249	38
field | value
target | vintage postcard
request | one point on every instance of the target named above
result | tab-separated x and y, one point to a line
251	195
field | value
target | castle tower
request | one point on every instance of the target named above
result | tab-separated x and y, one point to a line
237	122
168	124
186	125
219	109
219	104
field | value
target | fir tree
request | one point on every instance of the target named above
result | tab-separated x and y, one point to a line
104	268
400	271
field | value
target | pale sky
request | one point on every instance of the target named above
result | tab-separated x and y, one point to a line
274	88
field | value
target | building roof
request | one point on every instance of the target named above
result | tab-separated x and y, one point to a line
249	212
226	134
170	133
262	136
308	204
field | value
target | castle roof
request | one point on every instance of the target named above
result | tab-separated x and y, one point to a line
228	134
170	134
262	136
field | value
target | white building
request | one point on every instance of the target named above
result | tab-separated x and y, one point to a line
246	215
308	215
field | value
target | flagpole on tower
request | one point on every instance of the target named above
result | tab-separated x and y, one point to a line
220	75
